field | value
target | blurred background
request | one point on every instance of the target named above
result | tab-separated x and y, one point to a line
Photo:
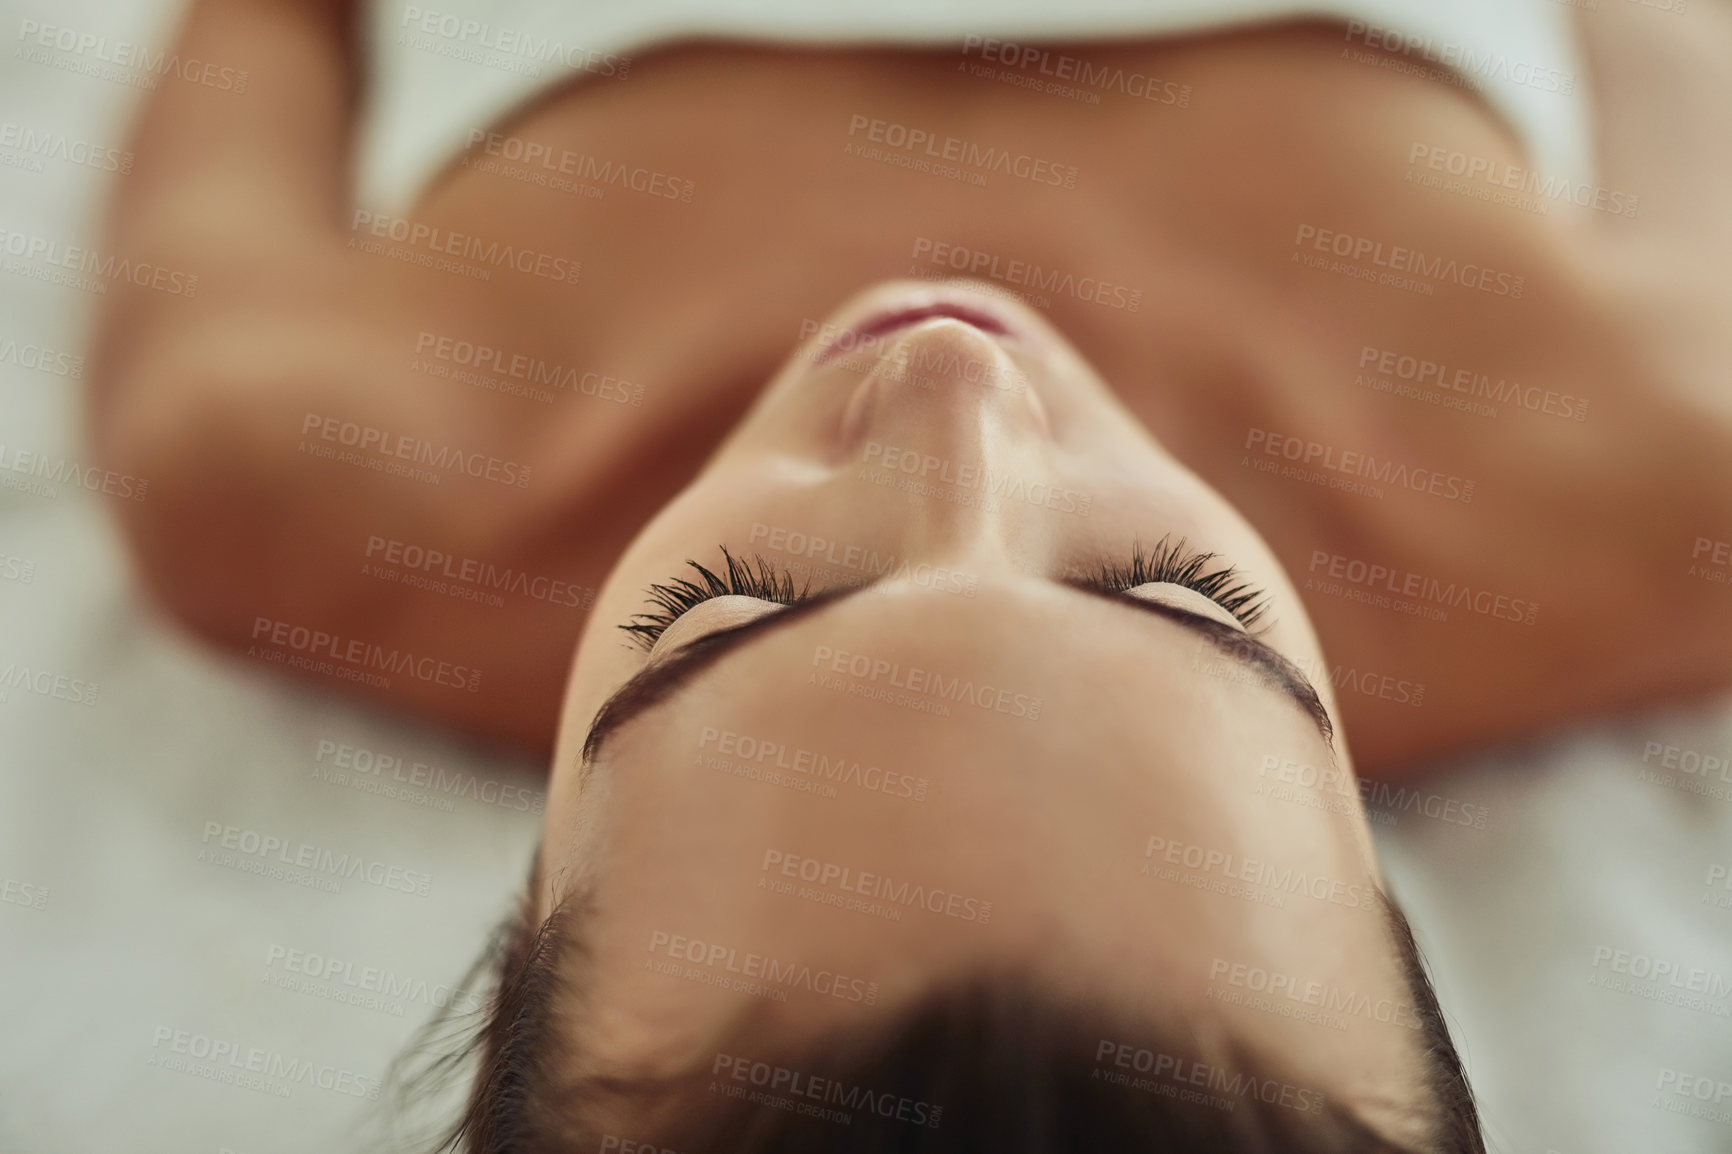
1581	940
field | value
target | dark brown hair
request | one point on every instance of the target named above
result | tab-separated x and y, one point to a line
987	1066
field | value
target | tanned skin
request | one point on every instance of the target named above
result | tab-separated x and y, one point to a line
1592	521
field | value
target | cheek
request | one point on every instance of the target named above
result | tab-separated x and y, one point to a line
780	509
724	505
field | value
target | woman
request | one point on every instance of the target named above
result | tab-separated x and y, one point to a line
1204	209
314	375
1053	799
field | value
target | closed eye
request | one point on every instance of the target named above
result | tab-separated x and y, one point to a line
1172	562
1167	563
755	578
660	680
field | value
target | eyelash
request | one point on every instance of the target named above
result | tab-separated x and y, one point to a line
1172	563
757	578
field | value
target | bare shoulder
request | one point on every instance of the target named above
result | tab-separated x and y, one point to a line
323	500
1487	442
279	414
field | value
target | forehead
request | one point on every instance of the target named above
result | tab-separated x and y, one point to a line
1017	753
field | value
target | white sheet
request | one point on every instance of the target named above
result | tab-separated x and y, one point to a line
105	806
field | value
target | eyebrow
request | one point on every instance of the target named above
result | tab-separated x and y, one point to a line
1250	652
653	685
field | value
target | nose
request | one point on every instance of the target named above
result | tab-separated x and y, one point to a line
948	419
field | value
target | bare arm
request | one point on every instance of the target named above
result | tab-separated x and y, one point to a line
234	401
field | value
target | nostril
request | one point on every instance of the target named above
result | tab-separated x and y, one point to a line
945	362
943	382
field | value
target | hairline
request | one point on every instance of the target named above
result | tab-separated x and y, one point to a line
561	942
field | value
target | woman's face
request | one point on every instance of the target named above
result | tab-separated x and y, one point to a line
1010	747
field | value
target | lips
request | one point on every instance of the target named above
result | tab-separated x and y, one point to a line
888	321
